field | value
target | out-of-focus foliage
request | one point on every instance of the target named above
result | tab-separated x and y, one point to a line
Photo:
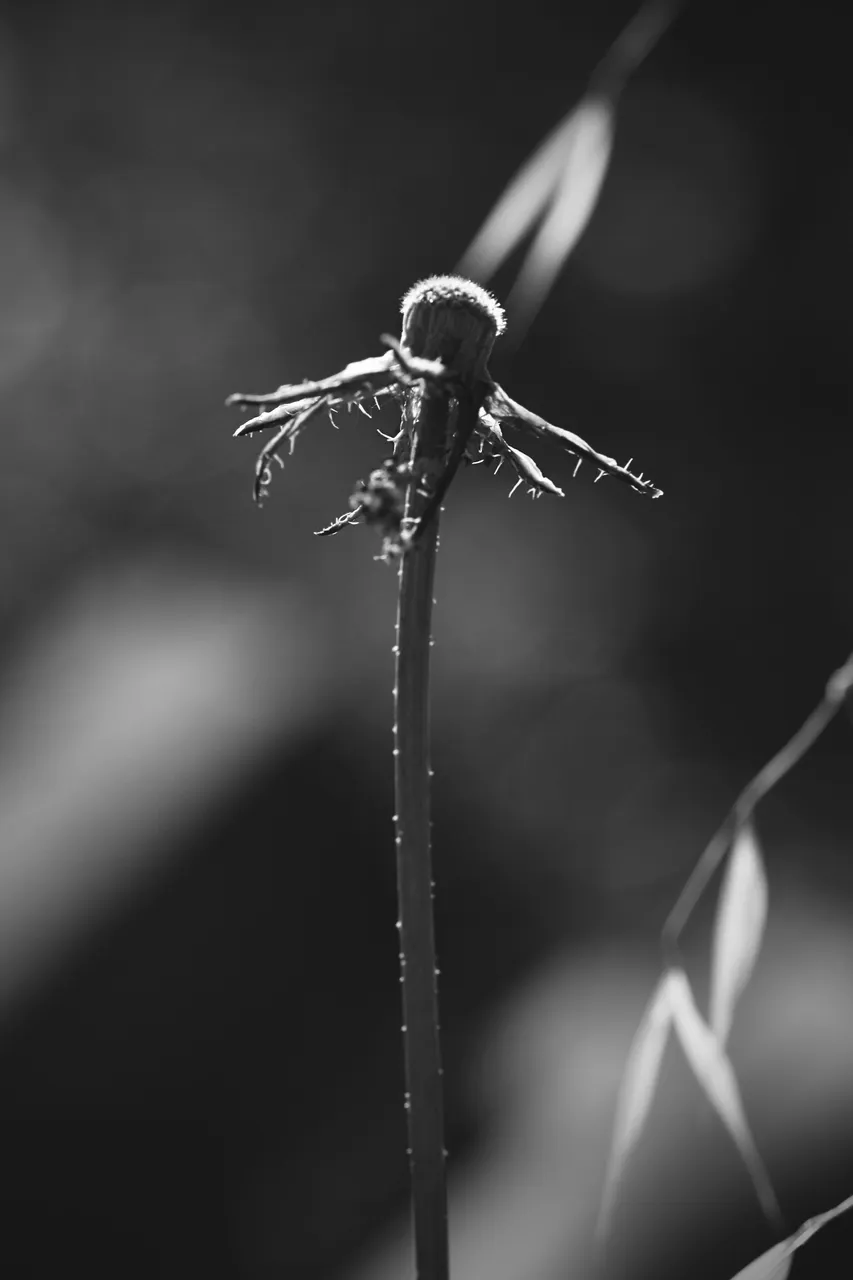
200	1043
738	930
775	1264
559	185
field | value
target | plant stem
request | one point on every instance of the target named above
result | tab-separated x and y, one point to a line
430	421
454	322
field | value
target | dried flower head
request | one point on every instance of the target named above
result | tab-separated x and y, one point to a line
449	327
450	292
452	320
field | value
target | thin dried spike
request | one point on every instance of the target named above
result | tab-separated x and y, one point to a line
401	443
362	409
577	467
598	477
398	441
628	464
498	467
348	518
515	486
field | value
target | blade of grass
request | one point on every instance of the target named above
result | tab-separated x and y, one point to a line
635	1096
560	183
835	695
738	931
775	1264
584	159
715	1074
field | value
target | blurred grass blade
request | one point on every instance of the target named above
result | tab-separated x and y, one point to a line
638	39
814	1224
715	1074
523	202
588	146
636	1094
741	917
561	181
775	1264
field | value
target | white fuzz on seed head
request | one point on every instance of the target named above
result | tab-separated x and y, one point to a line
455	291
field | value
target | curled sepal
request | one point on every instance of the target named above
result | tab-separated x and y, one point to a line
288	434
358	378
393	374
525	468
505	409
269	417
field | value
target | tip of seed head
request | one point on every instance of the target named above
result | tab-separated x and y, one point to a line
456	291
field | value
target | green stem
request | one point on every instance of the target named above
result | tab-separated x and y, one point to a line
430	421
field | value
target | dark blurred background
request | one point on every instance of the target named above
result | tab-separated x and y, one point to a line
200	1064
